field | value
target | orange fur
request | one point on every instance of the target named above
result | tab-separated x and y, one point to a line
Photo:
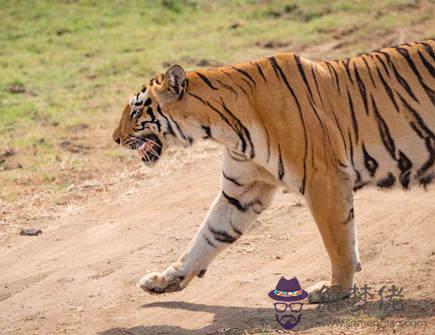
323	129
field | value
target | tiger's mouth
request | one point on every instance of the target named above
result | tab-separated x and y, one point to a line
150	149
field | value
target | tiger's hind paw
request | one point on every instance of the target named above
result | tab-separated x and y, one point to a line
324	292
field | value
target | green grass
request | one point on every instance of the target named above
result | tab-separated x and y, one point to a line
68	55
68	62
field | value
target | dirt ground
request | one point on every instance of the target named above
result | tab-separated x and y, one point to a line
79	275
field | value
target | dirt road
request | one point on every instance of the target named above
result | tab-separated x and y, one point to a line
79	276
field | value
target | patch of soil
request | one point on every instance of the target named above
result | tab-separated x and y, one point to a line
19	88
272	44
235	25
287	9
75	148
78	127
8	160
202	62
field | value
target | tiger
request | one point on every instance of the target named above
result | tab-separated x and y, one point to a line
323	129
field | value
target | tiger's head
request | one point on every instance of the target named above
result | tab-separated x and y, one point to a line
146	124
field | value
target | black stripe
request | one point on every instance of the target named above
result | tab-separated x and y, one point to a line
412	65
206	80
426	180
260	71
383	64
388	90
249	84
358	182
302	73
369	72
207	131
354	120
424	132
275	66
350	216
197	97
403	82
236	156
346	64
417	117
430	93
268	142
150	113
416	129
228	87
334	72
339	129
430	145
148	102
246	74
362	90
370	163
231	179
237	231
210	243
387	140
136	113
387	181
426	64
242	89
239	86
429	50
233	127
169	126
404	163
405	166
431	70
281	74
243	131
386	54
222	236
238	128
236	203
281	171
313	107
313	73
186	138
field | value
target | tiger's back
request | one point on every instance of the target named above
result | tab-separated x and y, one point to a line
386	105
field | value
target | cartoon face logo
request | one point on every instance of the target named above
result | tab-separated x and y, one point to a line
289	294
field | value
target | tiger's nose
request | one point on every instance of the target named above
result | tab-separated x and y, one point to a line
116	138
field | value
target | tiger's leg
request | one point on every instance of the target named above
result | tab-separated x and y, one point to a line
232	213
331	203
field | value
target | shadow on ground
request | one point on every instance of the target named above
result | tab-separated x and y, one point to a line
237	320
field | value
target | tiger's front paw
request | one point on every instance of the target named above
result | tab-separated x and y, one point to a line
160	282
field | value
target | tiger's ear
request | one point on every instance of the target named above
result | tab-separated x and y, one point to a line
174	83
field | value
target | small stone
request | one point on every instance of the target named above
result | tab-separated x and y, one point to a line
30	231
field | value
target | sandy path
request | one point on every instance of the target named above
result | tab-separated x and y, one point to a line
79	276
